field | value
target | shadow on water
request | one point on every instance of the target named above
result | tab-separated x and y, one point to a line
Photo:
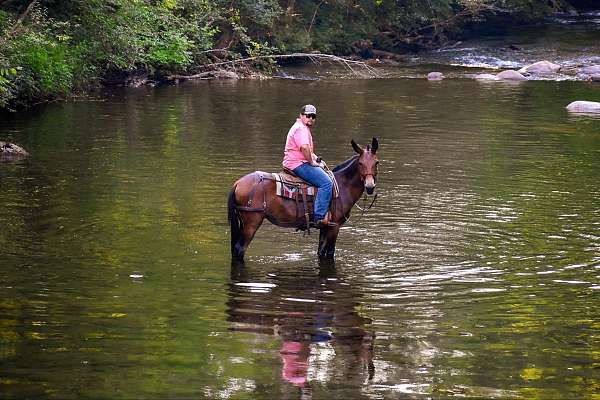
323	337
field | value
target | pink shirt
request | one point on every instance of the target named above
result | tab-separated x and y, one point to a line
298	136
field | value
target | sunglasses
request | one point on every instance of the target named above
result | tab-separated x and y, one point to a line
312	116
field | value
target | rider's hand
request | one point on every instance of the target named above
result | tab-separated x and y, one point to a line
319	162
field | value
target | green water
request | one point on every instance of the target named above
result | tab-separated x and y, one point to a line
476	274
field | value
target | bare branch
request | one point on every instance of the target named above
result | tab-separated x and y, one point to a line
26	12
312	21
348	64
205	75
15	29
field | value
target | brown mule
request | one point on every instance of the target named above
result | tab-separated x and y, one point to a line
253	198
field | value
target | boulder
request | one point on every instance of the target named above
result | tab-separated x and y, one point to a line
595	78
10	151
541	67
584	106
435	76
511	75
486	77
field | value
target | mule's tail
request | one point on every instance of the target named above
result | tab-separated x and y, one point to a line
234	222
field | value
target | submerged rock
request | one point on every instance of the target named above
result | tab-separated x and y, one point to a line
10	151
541	67
584	106
511	75
435	76
486	77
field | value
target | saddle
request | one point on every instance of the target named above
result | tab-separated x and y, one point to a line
291	186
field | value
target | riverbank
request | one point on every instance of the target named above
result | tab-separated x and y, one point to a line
43	59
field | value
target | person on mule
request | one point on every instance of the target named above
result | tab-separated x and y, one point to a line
300	158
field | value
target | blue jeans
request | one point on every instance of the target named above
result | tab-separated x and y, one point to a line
319	178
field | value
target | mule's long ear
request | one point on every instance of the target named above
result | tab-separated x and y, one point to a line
356	147
374	145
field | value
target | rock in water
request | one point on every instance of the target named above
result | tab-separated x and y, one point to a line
10	151
486	77
435	76
584	106
541	67
511	75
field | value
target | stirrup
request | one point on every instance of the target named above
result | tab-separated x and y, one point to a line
321	224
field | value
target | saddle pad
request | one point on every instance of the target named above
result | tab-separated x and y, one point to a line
291	190
287	177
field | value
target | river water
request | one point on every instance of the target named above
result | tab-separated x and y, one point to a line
476	273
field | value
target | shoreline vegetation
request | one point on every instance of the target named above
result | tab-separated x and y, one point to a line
59	49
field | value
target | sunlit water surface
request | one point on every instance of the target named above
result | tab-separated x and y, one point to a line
475	274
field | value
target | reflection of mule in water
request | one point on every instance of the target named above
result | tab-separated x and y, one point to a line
254	198
324	338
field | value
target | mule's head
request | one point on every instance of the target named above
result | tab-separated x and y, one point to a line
367	164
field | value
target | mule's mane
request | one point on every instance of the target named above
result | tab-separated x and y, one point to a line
346	164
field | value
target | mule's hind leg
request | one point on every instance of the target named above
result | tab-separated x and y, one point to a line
251	221
327	239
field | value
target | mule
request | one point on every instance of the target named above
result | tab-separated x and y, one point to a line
253	198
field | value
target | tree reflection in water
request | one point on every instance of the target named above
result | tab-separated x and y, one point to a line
323	337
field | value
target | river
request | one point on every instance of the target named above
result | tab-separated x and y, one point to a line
476	273
571	41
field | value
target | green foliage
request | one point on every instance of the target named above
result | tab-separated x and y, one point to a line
130	35
6	85
61	46
45	63
262	14
37	53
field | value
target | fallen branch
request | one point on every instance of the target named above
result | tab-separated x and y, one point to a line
219	74
314	57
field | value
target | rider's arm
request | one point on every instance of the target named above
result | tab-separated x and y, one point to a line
309	155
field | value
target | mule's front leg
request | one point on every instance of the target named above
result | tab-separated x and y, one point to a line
327	239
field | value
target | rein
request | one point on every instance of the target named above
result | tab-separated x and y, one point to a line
363	208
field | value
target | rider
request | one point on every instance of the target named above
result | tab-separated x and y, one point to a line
299	157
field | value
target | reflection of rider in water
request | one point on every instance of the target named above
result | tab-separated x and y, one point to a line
323	336
295	350
295	362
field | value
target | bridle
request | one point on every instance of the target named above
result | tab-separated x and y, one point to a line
366	208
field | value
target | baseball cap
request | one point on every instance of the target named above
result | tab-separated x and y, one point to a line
309	109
